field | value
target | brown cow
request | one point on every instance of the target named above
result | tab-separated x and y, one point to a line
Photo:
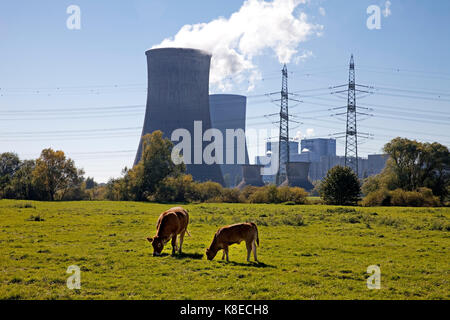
235	233
170	223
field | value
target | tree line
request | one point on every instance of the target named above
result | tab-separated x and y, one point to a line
416	174
50	177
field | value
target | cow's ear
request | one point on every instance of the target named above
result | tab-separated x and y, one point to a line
150	239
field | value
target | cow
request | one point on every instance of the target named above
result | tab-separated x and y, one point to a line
232	234
170	223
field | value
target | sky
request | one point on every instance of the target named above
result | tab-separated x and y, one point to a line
83	90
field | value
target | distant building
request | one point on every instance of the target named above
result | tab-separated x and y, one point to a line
319	148
321	153
376	163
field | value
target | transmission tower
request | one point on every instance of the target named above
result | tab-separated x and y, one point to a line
351	135
283	141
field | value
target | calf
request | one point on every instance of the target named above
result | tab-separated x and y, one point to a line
235	233
170	223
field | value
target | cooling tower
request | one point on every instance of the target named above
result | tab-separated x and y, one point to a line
228	112
251	176
297	175
178	95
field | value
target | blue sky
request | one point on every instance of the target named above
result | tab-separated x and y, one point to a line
83	91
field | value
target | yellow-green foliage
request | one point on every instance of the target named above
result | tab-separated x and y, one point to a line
184	189
306	252
400	198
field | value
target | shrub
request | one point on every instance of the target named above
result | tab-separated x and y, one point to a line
422	198
259	196
284	194
429	199
298	195
248	191
173	189
292	194
380	197
205	191
340	187
230	195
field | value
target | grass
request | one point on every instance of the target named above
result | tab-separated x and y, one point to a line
306	252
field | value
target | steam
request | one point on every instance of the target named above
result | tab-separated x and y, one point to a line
235	42
310	132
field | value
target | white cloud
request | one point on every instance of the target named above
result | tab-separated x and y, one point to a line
234	42
322	11
387	10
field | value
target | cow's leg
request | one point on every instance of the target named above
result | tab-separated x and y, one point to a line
181	240
223	254
174	244
254	250
249	250
226	252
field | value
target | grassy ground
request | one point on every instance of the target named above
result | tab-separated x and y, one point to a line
307	252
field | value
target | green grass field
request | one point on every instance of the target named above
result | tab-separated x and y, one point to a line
306	252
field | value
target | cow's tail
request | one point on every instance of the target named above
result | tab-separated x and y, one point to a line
188	233
257	235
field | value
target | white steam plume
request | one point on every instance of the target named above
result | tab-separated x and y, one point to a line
247	33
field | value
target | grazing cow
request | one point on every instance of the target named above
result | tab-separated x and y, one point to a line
170	223
235	233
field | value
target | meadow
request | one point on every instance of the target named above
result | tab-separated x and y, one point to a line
306	252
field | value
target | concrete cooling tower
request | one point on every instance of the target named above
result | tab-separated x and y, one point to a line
251	176
297	175
178	95
228	112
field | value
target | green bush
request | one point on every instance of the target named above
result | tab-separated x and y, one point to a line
340	187
377	198
422	198
400	198
206	191
292	194
259	196
231	196
272	194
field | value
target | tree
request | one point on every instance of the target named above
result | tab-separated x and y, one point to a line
340	187
9	164
21	185
56	174
155	165
90	183
414	165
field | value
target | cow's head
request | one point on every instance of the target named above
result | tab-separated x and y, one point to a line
158	245
210	253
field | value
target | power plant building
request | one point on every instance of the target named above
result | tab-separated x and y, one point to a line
321	156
